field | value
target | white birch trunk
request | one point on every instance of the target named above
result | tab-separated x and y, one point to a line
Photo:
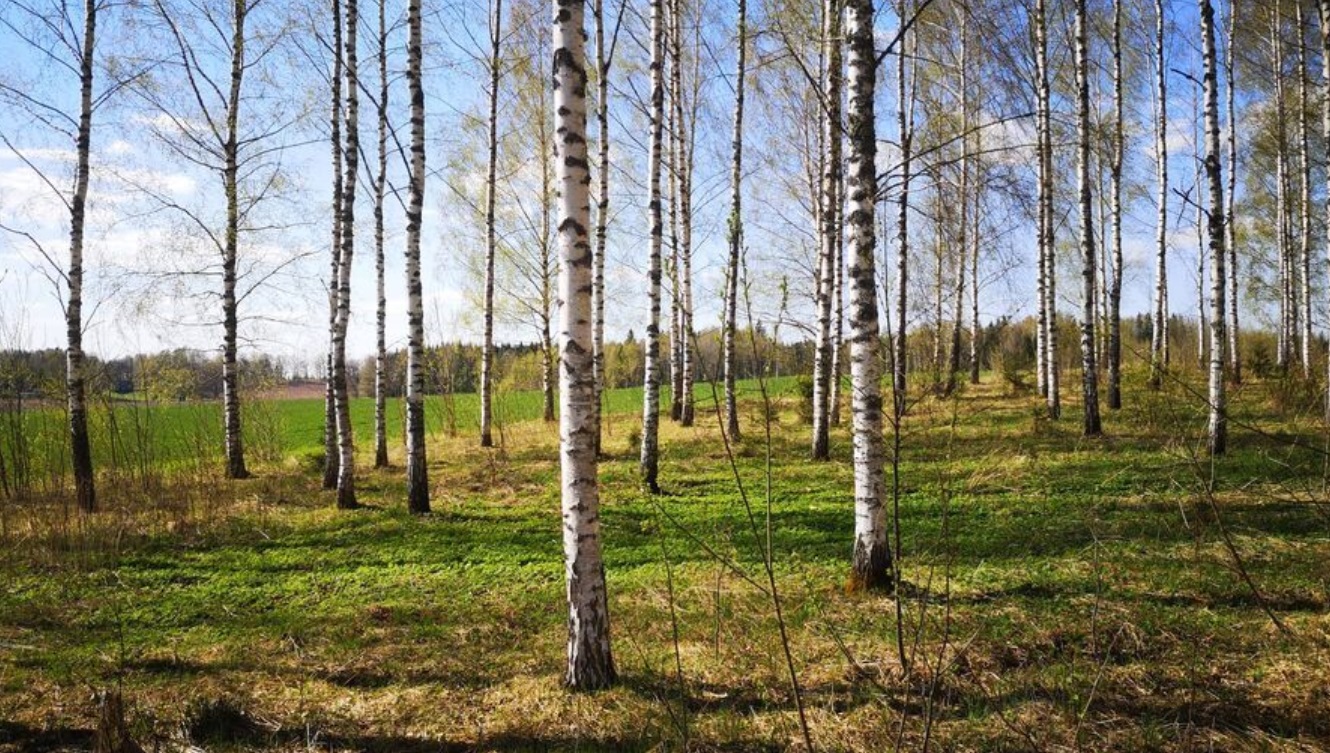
735	234
1230	218
1305	202
838	326
1324	10
1114	302
417	476
346	476
1285	350
1049	266
905	126
602	210
1218	434
235	448
330	462
491	239
829	231
1159	324
650	458
85	491
870	566
1089	256
590	662
381	310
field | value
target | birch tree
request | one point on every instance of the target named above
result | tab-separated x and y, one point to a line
491	242
417	477
1089	256
1048	347
346	467
381	309
1230	217
963	226
905	127
212	97
1218	434
1115	176
70	43
870	565
1159	324
830	229
650	456
1323	8
1305	198
735	230
590	662
603	61
330	453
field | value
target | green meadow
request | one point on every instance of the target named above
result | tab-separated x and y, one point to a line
1123	593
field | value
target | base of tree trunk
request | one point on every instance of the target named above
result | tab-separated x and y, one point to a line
346	499
112	735
870	569
417	490
590	667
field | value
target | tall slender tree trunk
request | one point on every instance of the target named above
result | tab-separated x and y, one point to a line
346	476
941	222
549	271
672	130
1285	350
1305	200
491	237
905	126
976	334
735	228
1089	256
330	456
826	273
1230	218
1218	420
838	318
590	662
1159	324
235	447
1046	248
650	456
1114	296
1201	330
85	491
686	120
963	228
602	210
1323	7
417	475
870	565
381	311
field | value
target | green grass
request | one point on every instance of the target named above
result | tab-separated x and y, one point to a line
135	434
1062	593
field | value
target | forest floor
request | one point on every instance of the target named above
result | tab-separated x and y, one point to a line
1060	593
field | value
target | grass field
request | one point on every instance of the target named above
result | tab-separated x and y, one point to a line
1120	593
129	435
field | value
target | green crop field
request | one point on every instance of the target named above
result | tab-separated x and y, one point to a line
135	434
1059	593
